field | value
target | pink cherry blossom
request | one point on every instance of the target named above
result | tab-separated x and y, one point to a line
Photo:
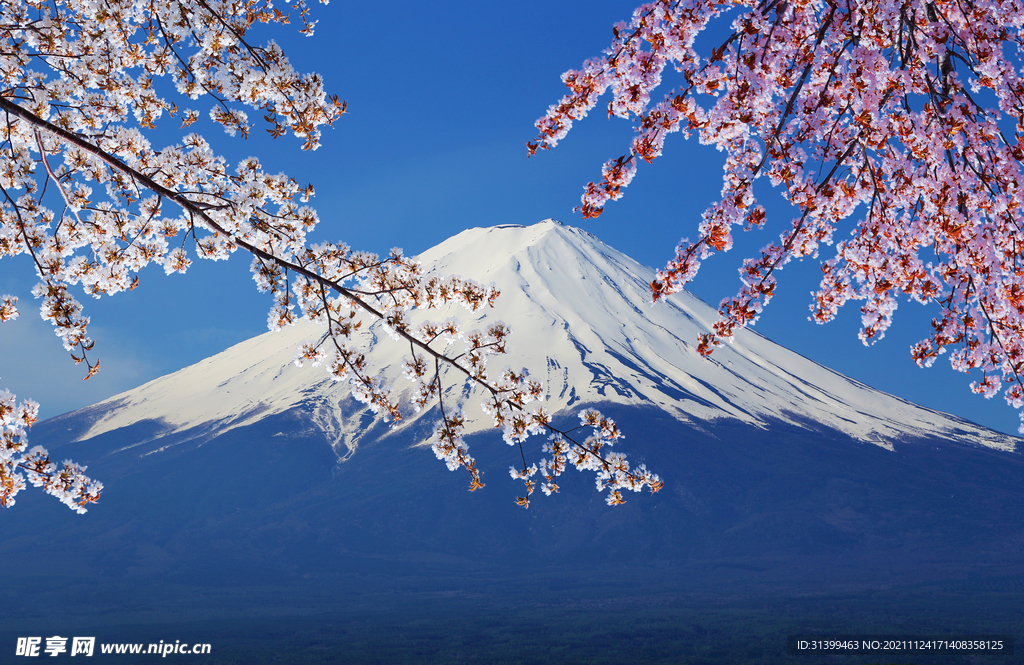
895	130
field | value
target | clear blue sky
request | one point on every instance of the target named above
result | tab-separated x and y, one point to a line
442	97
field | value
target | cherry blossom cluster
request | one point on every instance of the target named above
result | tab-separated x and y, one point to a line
904	118
67	482
611	469
87	197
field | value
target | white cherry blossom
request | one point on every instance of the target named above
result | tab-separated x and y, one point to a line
87	196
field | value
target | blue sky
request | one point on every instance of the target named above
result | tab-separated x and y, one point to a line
442	97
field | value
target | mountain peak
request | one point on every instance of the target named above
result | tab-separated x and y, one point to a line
491	243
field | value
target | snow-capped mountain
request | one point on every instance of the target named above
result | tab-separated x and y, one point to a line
582	322
246	486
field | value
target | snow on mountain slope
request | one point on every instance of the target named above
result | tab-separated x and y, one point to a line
582	321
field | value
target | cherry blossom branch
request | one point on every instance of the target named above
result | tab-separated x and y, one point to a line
504	398
84	109
799	87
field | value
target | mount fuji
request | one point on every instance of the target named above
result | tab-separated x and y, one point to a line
587	307
247	483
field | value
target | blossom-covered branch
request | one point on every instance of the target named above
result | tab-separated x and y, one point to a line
908	113
113	188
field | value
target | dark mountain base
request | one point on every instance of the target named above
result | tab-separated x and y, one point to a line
259	540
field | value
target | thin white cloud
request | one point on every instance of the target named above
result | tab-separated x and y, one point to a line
35	365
